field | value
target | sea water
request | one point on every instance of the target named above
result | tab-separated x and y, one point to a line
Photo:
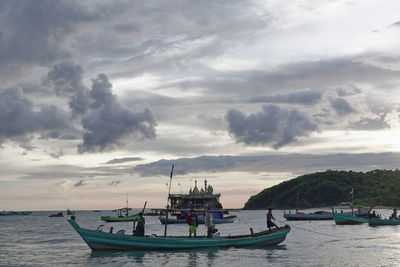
38	240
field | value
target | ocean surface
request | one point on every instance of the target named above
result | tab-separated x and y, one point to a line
37	240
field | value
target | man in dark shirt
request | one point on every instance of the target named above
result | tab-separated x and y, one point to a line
270	223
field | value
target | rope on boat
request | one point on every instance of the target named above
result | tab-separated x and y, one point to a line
330	235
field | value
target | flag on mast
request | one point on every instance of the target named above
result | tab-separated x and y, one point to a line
351	192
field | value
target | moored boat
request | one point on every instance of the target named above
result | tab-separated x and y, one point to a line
123	215
318	215
345	218
58	214
324	215
97	240
119	219
378	222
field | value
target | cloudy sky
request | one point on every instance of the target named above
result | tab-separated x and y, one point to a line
99	98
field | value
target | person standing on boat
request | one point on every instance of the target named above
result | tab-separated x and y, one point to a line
394	214
140	225
193	221
209	223
270	223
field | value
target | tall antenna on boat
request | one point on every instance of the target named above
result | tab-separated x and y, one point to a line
127	206
169	191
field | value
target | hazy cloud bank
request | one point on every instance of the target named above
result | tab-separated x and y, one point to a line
295	163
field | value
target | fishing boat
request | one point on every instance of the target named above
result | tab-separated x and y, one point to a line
122	216
131	218
318	215
58	214
98	240
345	218
12	213
323	215
377	222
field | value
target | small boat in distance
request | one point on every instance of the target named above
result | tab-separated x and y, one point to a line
130	218
58	214
13	213
122	216
97	240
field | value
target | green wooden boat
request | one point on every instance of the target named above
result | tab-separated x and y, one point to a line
132	218
377	222
346	218
123	215
107	241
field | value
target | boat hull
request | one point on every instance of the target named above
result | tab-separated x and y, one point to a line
201	220
106	241
307	217
119	219
378	222
347	219
313	216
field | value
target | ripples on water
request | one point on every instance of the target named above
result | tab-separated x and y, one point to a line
37	240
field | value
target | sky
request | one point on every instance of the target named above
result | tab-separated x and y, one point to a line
99	98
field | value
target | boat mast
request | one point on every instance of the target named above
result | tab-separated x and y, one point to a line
169	191
127	207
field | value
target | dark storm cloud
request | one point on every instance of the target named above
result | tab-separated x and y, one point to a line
33	33
278	126
66	80
295	163
20	118
273	125
108	123
123	160
105	121
342	107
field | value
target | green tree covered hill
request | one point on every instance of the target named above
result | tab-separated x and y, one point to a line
379	187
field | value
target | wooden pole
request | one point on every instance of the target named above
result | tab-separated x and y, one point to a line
169	191
144	207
